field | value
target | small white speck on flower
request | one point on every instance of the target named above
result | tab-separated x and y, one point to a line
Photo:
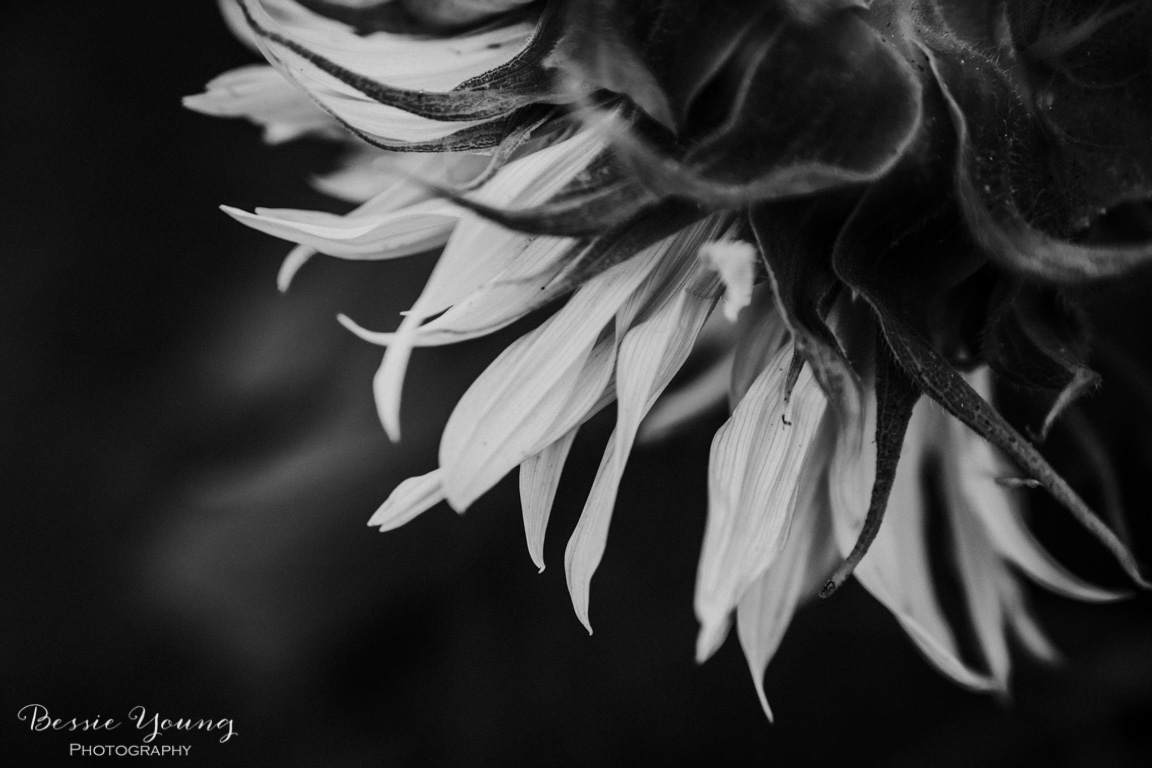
735	262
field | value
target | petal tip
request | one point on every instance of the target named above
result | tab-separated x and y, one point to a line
711	637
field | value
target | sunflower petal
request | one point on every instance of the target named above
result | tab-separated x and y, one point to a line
978	564
767	607
895	398
477	252
539	479
944	385
503	415
390	235
411	498
999	509
395	180
392	86
896	569
261	95
510	295
1024	624
649	356
753	478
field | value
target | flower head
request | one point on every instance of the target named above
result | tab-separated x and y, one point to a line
888	199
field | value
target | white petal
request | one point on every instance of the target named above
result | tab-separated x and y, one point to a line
760	332
753	477
766	608
411	498
260	94
896	569
649	357
478	252
539	479
293	262
390	235
404	61
1024	624
507	298
397	179
977	562
398	218
500	420
1001	511
400	61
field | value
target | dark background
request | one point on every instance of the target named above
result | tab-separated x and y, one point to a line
188	460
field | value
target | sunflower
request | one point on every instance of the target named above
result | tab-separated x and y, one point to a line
890	202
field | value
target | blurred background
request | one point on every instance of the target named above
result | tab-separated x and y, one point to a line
188	460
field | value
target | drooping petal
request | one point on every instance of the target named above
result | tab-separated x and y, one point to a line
432	63
539	479
766	608
391	86
293	263
1024	624
896	396
978	564
396	179
896	569
502	417
649	356
754	473
359	235
477	252
880	255
411	498
507	297
1000	509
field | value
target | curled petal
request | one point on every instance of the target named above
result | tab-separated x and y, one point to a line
391	86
